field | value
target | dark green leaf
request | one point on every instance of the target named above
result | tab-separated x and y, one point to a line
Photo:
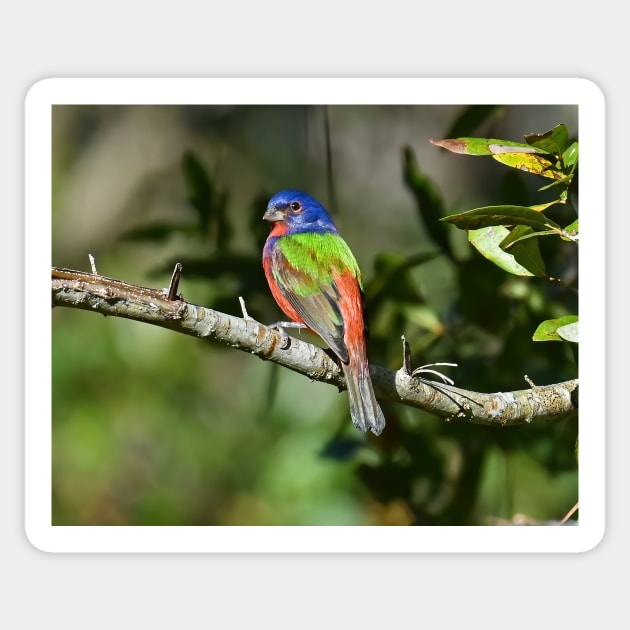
209	202
341	448
200	188
488	241
391	278
224	229
564	180
216	265
470	118
259	228
554	141
158	231
429	201
526	236
525	250
501	215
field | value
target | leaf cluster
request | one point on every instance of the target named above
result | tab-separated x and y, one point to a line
509	235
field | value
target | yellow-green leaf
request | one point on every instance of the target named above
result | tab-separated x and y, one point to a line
529	162
543	206
548	330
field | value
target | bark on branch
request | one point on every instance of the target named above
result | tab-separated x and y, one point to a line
93	292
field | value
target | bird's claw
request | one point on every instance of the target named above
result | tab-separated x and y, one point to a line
285	341
280	327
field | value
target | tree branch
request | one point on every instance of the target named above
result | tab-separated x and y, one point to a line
107	296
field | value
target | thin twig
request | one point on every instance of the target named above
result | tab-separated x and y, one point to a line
571	512
174	285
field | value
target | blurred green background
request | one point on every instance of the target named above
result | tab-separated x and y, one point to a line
154	428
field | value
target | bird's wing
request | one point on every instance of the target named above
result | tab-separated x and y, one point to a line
316	280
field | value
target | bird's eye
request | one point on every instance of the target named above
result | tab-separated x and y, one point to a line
296	207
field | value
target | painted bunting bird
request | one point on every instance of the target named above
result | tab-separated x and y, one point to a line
315	279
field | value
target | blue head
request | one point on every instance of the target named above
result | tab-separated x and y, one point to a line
296	211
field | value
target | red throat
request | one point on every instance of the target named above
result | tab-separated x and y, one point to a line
278	229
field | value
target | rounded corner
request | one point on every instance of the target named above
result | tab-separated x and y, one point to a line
594	540
35	540
592	86
36	89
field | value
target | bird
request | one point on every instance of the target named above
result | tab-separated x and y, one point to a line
315	280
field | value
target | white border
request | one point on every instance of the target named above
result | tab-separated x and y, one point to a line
392	91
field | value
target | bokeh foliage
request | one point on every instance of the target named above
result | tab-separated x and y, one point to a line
151	429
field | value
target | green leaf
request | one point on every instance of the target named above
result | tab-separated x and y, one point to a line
224	230
483	146
215	267
392	280
429	201
548	330
470	118
158	231
523	157
570	156
258	228
572	230
565	180
488	242
209	202
555	141
200	188
501	215
525	250
424	317
527	236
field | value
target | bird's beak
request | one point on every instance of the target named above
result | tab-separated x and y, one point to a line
274	213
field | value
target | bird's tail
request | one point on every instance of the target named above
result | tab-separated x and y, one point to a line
364	410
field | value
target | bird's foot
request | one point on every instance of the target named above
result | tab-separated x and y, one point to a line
280	326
